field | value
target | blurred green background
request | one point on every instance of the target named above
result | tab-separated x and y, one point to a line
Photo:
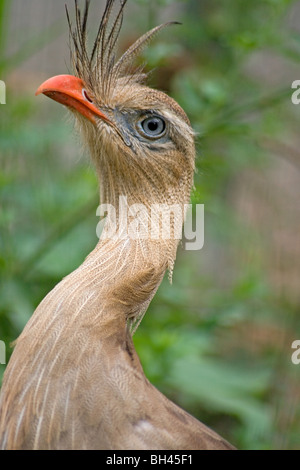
217	341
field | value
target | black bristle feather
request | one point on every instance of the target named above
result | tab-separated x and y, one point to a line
98	68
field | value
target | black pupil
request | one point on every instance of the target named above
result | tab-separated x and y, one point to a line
153	125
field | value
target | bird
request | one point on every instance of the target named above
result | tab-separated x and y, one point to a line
74	380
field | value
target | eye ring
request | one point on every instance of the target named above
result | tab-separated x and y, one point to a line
86	96
152	127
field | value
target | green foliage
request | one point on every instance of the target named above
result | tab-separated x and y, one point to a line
217	341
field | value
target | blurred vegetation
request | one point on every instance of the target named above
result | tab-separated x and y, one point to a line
217	341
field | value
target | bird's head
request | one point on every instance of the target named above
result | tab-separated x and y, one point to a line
140	139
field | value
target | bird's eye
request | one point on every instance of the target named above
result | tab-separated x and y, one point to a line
86	96
153	126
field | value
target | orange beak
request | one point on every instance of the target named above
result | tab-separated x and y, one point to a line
70	91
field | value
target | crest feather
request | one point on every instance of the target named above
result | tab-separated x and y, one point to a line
99	68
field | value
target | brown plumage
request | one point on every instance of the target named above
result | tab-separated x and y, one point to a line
74	380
